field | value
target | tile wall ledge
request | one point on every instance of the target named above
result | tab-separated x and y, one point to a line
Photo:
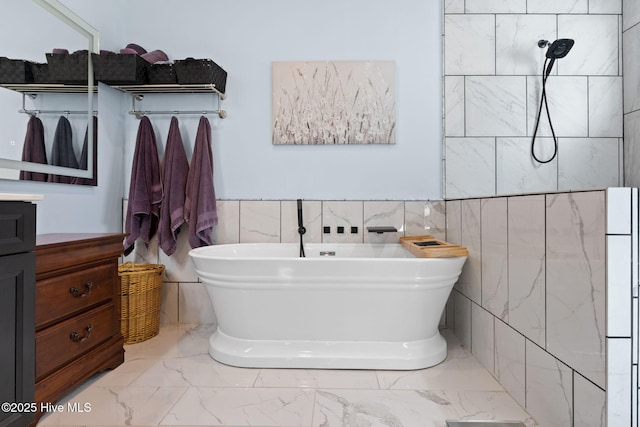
230	199
533	193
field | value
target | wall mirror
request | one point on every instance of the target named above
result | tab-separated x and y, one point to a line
36	28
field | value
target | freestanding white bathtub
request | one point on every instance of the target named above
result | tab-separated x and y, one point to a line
343	306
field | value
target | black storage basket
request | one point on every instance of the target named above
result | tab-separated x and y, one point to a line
201	71
40	72
68	68
119	68
161	74
15	71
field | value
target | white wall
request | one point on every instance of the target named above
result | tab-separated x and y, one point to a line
244	37
247	165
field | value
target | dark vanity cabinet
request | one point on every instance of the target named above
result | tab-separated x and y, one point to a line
17	312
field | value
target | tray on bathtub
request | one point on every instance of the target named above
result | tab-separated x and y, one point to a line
430	247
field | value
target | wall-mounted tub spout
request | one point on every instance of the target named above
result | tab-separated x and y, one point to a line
382	229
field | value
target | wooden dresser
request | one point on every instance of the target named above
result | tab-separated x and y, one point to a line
77	311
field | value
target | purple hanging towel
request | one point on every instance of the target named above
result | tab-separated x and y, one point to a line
174	180
200	202
82	163
34	150
62	153
145	189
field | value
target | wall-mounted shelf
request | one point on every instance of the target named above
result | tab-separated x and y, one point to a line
47	88
169	88
137	93
33	89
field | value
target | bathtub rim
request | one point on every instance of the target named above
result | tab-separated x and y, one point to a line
262	272
200	253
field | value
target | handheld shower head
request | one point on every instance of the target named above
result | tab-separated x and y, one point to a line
558	49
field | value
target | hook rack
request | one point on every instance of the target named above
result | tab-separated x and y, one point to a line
140	114
61	112
24	110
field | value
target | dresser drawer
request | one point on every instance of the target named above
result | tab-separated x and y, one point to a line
61	296
67	340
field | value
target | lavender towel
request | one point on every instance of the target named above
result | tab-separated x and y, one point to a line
200	202
155	56
82	163
137	48
33	149
145	189
62	153
174	180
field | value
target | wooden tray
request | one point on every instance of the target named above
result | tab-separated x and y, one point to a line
430	247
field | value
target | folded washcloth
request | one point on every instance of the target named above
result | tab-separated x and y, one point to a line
34	150
129	51
137	48
59	51
62	153
174	180
155	56
145	189
200	202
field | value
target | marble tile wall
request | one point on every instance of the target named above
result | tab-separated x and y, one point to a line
575	281
492	90
531	302
185	299
622	306
631	71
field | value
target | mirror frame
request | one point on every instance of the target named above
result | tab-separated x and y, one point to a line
66	15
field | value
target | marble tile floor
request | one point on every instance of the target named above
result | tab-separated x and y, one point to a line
170	380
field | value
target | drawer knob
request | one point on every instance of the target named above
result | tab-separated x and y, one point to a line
76	292
75	337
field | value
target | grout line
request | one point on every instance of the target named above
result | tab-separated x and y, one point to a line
546	270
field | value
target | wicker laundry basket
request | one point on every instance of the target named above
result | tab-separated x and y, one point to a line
141	297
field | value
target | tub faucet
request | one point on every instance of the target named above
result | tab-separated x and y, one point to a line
382	229
301	229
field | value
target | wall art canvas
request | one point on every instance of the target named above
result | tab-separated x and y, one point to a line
334	102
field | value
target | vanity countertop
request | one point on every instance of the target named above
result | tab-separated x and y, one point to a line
20	197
